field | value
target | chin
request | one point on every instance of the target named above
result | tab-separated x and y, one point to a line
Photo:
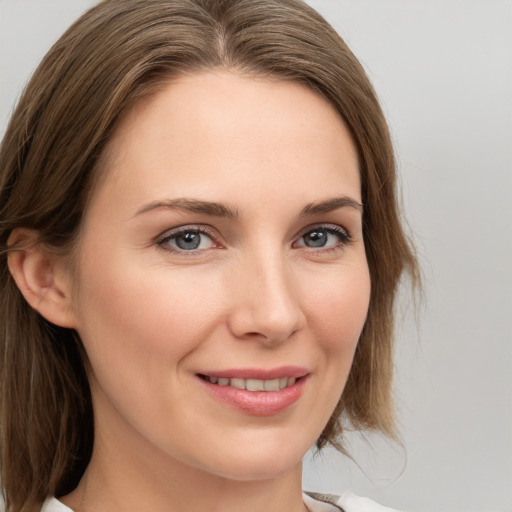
250	471
257	460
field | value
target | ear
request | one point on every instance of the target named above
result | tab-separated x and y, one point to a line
42	277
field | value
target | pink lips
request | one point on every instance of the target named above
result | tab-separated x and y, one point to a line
258	403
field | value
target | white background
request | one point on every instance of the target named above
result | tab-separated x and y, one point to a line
443	70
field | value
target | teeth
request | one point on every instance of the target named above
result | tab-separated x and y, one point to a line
237	383
255	384
271	385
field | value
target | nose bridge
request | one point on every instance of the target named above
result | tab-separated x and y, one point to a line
269	304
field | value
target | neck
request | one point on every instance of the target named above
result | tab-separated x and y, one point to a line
120	480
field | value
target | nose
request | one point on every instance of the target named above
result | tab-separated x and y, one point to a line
267	305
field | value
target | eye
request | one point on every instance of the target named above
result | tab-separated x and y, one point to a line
186	240
328	237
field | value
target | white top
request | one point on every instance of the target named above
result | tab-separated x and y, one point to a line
348	501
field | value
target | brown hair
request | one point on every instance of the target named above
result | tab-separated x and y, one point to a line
114	54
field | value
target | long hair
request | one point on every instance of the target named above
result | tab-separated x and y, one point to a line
114	54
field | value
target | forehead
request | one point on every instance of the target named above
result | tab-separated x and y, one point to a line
218	132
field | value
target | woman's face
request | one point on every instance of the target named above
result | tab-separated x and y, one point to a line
222	250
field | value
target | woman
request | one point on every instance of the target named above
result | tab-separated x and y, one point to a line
200	251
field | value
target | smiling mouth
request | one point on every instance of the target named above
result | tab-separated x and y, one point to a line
253	384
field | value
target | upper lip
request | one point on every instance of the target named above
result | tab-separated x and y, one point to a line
258	373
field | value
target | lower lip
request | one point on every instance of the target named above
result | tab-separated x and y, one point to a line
258	403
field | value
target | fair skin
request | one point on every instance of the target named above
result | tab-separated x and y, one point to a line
224	241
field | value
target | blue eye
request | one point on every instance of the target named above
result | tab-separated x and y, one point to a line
324	237
187	240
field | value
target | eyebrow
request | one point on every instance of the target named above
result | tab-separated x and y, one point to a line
331	204
222	210
191	205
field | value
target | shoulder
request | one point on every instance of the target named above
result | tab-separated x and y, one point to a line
54	505
347	502
352	503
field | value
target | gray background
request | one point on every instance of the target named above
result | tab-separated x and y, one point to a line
443	70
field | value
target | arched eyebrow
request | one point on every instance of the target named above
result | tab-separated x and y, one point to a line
191	205
331	204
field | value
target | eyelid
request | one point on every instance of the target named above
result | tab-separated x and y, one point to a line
336	229
174	232
323	225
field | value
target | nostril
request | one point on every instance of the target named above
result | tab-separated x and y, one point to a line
270	318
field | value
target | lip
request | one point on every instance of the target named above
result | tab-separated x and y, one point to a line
259	373
258	403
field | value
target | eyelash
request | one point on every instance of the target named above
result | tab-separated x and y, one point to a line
343	235
163	241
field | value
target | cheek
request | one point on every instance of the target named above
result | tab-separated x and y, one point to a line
339	306
136	317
